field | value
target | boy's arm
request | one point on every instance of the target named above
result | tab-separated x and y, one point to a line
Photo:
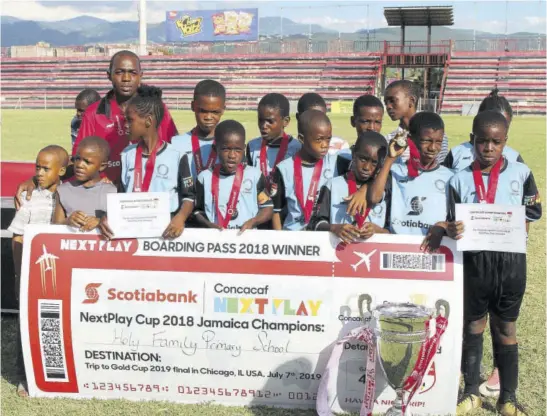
320	220
381	184
531	199
22	217
199	208
17	253
59	216
376	189
265	204
185	189
277	193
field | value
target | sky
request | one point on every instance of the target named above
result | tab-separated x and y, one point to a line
349	16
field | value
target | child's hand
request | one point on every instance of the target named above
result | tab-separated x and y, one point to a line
367	231
105	180
346	232
395	150
248	225
357	202
77	219
214	226
104	229
28	186
174	229
455	230
432	240
90	224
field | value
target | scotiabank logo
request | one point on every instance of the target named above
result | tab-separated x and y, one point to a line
92	293
141	295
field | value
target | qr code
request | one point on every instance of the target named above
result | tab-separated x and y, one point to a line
51	340
419	262
50	324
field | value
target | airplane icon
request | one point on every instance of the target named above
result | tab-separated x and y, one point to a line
365	258
46	258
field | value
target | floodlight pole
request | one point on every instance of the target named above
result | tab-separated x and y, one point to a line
142	28
403	49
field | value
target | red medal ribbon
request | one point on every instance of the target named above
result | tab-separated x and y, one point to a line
234	195
307	207
352	187
425	356
140	185
279	158
196	150
413	163
486	197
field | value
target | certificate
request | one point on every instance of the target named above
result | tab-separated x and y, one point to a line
492	227
241	320
138	215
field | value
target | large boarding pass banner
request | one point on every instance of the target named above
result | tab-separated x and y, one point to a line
213	316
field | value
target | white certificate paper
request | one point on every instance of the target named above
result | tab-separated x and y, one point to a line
492	227
138	215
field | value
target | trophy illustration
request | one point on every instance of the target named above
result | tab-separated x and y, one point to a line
402	331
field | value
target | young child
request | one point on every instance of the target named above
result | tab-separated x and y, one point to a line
462	156
152	165
297	181
494	282
274	145
368	113
83	100
232	195
313	101
368	153
208	106
51	164
82	202
415	191
401	98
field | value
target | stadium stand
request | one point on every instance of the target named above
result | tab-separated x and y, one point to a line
519	76
55	82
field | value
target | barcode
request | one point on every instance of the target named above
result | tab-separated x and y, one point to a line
51	339
416	262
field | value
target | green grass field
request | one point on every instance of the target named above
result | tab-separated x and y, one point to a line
25	132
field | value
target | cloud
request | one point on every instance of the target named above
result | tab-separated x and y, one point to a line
344	25
42	10
535	24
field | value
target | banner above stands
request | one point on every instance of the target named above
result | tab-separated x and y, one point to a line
213	316
212	25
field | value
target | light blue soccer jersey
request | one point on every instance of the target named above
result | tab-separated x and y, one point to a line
283	192
183	143
165	176
253	152
516	186
332	207
252	185
417	203
463	155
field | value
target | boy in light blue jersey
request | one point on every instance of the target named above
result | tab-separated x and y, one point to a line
416	190
401	99
331	214
313	101
274	145
297	181
494	282
232	195
208	106
151	165
462	156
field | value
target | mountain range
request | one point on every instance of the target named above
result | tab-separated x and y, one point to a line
87	30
